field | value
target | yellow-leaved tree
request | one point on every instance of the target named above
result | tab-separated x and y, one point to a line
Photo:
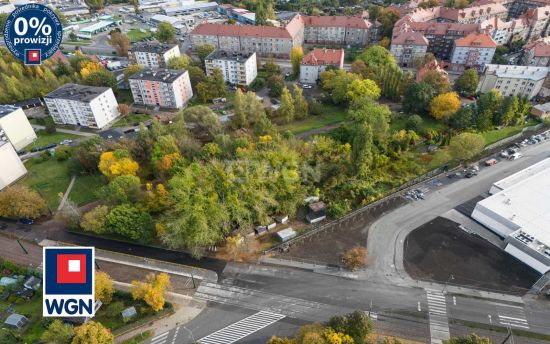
90	67
444	105
103	287
153	291
117	163
92	333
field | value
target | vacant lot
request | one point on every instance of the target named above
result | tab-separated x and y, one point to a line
438	250
331	115
48	178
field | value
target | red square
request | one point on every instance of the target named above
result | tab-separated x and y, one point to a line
33	56
66	272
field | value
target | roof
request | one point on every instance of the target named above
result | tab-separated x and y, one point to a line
541	48
32	282
210	29
58	57
517	177
129	312
97	26
194	6
476	40
16	320
219	54
517	72
542	107
317	206
152	47
7	109
78	92
410	37
336	21
157	74
323	56
162	18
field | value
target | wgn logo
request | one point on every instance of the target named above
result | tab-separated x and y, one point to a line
68	282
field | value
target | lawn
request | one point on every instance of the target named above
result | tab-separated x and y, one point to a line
45	139
136	35
79	42
48	178
84	189
33	311
131	119
333	115
493	136
400	122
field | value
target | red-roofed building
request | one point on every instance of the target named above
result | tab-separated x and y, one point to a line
537	53
474	50
316	61
408	46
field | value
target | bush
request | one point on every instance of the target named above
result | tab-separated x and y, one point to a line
257	84
355	258
62	153
114	309
414	122
315	108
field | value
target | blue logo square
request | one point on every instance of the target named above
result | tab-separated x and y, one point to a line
68	271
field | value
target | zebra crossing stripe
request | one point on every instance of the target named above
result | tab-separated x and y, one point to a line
511	321
437	312
242	328
161	338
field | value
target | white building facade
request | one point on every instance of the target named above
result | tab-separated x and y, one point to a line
153	54
474	50
12	168
513	80
316	61
161	87
237	68
88	106
15	127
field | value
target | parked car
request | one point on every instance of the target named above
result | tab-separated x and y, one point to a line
515	156
307	87
491	162
504	154
470	174
25	221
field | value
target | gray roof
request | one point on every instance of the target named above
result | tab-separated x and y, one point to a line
129	312
77	92
152	47
228	56
157	74
32	282
16	320
7	109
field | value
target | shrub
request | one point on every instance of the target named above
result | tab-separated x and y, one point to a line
355	258
414	122
114	309
257	84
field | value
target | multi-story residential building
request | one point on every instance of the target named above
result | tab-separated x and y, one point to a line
408	46
513	80
12	168
339	30
237	68
518	7
161	87
538	20
503	32
152	54
316	61
469	15
15	127
88	106
537	53
474	50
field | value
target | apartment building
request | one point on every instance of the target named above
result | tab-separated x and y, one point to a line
152	54
339	30
408	46
469	15
536	53
161	87
88	106
12	168
513	80
15	127
237	68
503	32
474	50
316	61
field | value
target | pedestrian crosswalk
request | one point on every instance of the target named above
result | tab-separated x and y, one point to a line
242	328
437	312
512	316
160	339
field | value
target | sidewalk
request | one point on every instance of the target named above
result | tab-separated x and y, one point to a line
66	131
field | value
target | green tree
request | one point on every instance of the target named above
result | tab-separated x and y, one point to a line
213	87
375	57
487	106
58	333
507	112
439	81
206	123
247	109
417	97
101	78
300	103
296	55
179	62
93	333
337	83
261	12
466	145
463	118
286	110
128	221
120	42
204	50
96	4
3	19
271	68
360	89
466	84
471	339
122	189
165	32
357	325
276	85
196	76
94	220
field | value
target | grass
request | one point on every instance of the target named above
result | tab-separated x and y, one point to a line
400	122
124	96
131	119
45	139
79	42
136	35
140	338
33	311
84	188
332	115
493	136
48	178
501	329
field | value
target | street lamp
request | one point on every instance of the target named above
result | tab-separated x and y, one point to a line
451	278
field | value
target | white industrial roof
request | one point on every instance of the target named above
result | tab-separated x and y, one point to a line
162	18
97	26
517	177
517	72
526	203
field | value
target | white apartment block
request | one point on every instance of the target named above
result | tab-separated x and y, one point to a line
12	168
513	80
165	88
152	54
408	46
88	106
317	61
237	68
474	50
15	127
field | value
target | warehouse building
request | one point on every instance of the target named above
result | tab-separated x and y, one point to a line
519	212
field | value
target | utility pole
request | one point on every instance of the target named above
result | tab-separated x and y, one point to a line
22	247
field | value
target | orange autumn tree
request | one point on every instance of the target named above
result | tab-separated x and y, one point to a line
444	105
152	291
117	163
90	67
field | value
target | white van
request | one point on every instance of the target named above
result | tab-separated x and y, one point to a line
515	156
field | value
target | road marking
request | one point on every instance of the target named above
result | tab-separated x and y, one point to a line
419	308
454	300
437	313
160	339
242	328
175	335
512	316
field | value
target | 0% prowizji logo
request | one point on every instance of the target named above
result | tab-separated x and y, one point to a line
33	33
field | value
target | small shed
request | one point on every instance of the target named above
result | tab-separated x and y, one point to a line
541	110
32	282
317	212
5	281
286	234
16	320
281	219
259	230
128	313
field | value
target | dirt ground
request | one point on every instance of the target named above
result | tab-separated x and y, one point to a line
328	246
438	250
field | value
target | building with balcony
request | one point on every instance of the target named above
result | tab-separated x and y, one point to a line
237	68
165	88
316	61
474	50
15	127
513	80
88	106
407	47
152	54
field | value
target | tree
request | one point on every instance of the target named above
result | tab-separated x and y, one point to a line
58	333
196	76
276	85
117	163
276	340
179	62
130	222
131	70
463	118
466	84
102	78
439	81
96	4
286	110
466	145
152	291
204	50
355	258
360	89
124	109
487	106
247	109
443	106
20	202
122	189
357	325
165	32
296	55
471	339
507	112
271	68
414	122
63	153
206	123
300	103
93	332
337	83
261	12
429	4
417	97
103	287
310	334
94	220
3	19
376	56
213	87
120	42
